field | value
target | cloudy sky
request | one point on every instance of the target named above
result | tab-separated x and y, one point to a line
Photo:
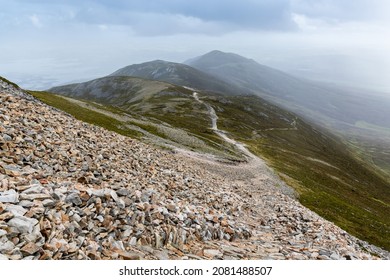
47	42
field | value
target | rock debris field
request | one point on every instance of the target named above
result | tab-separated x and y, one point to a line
70	190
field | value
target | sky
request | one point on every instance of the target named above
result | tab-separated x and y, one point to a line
50	42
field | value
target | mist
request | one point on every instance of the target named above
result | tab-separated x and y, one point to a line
46	43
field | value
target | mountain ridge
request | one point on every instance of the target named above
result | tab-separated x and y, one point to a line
176	73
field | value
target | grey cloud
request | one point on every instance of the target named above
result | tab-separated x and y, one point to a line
342	10
178	16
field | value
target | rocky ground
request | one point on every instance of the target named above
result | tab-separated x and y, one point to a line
70	190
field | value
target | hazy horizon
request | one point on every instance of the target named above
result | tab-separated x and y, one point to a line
48	43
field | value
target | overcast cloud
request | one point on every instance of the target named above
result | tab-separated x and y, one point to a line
45	42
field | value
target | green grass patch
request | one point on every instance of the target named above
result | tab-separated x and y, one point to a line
85	114
9	82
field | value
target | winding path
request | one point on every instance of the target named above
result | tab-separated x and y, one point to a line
214	118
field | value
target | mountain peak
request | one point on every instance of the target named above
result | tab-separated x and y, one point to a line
217	58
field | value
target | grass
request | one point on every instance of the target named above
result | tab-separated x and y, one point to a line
9	82
83	114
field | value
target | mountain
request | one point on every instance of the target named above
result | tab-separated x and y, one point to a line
178	74
326	176
301	96
360	118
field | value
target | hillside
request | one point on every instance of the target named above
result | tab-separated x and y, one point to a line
361	119
327	177
70	190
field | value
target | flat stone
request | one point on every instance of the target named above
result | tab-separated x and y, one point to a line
6	246
123	192
74	198
48	203
3	257
325	253
33	196
12	170
16	210
172	208
272	250
29	249
26	203
161	255
96	192
211	253
119	202
127	255
10	196
23	224
34	188
335	256
133	241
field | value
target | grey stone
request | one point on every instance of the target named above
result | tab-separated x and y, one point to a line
12	170
335	256
123	192
161	255
6	137
34	188
6	246
10	196
212	253
119	202
23	224
16	210
74	198
133	241
325	253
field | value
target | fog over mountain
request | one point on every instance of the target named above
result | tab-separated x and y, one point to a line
297	94
176	73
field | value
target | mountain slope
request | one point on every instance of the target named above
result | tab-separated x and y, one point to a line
362	120
318	165
178	74
70	190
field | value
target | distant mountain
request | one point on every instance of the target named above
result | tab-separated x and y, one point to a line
178	74
301	96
